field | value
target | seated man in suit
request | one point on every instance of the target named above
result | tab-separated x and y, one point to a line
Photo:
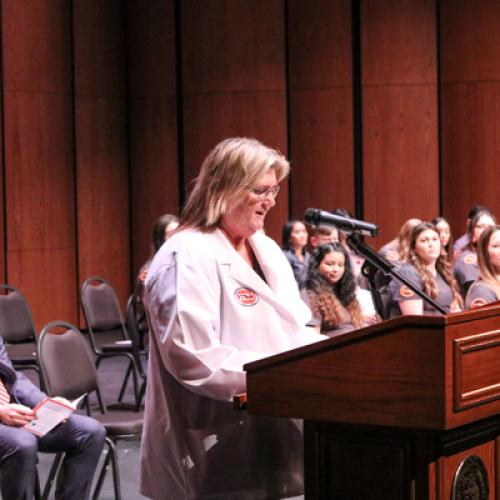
80	437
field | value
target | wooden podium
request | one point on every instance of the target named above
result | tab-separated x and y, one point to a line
406	409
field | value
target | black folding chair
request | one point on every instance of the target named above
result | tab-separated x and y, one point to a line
107	331
18	330
68	369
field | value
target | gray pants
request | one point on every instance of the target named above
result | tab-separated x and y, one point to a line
82	440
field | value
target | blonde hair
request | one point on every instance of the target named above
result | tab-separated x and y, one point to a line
227	173
487	271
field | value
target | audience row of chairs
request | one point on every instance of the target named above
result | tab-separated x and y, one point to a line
66	363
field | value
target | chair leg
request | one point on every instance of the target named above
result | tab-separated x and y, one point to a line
111	458
37	486
56	464
140	396
132	369
125	381
116	474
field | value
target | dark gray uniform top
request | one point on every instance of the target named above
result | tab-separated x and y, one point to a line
479	294
326	328
391	253
299	268
466	270
399	292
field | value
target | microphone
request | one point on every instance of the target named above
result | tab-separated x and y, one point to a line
318	217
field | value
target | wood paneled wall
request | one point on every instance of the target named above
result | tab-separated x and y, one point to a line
321	105
400	128
154	164
233	69
470	107
40	155
108	109
100	129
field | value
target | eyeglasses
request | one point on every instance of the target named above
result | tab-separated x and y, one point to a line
262	193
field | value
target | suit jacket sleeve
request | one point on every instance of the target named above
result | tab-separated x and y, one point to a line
23	390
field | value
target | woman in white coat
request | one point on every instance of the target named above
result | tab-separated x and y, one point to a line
220	294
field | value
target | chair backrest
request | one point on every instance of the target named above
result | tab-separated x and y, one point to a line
66	361
131	321
16	322
101	309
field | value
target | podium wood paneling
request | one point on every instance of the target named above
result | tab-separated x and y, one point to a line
233	64
320	105
399	95
380	406
101	143
39	155
470	106
153	107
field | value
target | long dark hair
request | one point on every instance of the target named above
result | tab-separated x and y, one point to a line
286	234
327	296
487	271
448	248
472	224
158	232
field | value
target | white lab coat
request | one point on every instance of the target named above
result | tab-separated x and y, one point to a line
210	313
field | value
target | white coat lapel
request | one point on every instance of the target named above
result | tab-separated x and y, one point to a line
237	268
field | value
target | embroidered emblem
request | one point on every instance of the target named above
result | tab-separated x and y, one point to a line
406	292
392	256
479	302
246	296
470	259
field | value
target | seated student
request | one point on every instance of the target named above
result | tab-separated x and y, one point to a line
465	268
80	437
330	292
356	260
486	288
294	245
463	241
163	227
429	269
443	227
397	249
319	235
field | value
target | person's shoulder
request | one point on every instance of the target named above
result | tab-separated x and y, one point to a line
188	245
479	294
409	270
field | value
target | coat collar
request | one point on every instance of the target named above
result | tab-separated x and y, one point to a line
239	270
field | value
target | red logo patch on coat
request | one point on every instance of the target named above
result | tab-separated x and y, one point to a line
406	292
246	296
470	259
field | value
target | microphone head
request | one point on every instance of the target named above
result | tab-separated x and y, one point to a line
312	215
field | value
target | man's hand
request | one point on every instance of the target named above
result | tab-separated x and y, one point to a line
16	415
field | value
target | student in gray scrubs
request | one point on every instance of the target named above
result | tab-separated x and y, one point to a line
294	244
396	251
486	288
429	270
465	268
